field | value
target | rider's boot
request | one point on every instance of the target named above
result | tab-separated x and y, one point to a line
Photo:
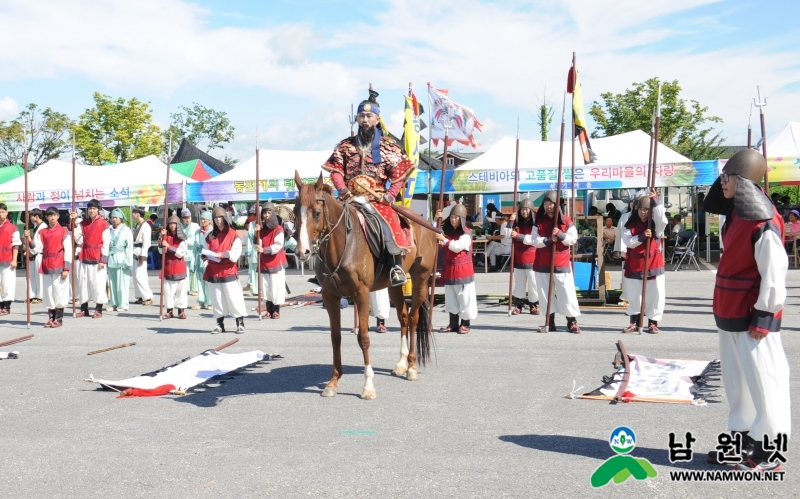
396	274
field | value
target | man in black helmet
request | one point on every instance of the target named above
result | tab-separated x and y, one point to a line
749	298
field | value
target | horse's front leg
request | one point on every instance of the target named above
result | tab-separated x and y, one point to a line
399	302
334	315
361	299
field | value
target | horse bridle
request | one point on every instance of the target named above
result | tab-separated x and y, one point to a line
326	236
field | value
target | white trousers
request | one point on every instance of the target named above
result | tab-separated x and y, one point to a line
624	294
654	301
37	287
227	299
176	294
494	249
565	301
8	283
273	287
141	288
56	291
92	284
755	374
525	282
379	304
460	299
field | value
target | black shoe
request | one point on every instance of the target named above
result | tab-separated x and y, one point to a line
220	327
240	325
552	323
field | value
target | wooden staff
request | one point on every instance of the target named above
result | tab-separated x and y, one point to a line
750	128
352	120
257	233
510	224
16	340
27	246
164	228
72	234
623	386
651	185
439	220
574	78
226	345
557	217
761	105
124	345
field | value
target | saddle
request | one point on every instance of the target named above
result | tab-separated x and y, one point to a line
371	226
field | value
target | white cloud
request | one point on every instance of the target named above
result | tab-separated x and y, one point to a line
8	109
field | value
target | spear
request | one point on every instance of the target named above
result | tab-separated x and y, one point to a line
650	187
447	126
761	105
72	231
574	77
257	233
164	228
27	246
557	217
510	224
750	127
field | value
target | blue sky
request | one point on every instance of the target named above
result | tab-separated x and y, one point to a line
291	69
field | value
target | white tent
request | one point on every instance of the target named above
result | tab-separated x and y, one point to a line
785	144
274	164
57	175
625	149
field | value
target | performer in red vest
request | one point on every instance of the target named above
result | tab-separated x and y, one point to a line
635	234
37	221
94	238
524	258
749	298
9	249
54	244
272	261
222	249
458	275
548	236
175	274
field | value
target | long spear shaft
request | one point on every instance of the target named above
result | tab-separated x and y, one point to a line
72	233
648	241
439	224
257	233
27	246
650	153
760	105
557	217
750	128
164	250
510	224
572	201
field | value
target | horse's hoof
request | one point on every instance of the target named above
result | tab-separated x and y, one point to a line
329	391
369	394
411	375
400	370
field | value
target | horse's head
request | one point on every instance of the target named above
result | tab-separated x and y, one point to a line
309	215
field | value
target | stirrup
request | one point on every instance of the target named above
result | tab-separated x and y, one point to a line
397	276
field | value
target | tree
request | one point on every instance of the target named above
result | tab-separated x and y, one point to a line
682	121
200	124
116	131
544	115
43	134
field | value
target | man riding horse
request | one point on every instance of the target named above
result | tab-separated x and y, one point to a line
361	166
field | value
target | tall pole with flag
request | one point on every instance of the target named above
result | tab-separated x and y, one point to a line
650	186
509	224
164	233
447	126
411	129
72	232
27	246
761	105
557	217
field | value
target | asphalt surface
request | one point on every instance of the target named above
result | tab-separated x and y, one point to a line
487	418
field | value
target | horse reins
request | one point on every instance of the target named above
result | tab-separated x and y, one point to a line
326	236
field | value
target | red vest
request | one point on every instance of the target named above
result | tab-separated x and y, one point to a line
457	266
634	261
6	236
224	270
91	249
174	268
53	250
524	254
738	281
272	264
541	263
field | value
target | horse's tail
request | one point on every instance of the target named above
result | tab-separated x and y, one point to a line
424	333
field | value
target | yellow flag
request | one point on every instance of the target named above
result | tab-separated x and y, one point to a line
411	146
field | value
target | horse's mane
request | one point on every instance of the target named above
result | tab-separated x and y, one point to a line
307	196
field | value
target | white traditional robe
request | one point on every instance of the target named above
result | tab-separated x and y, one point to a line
565	301
55	292
226	297
176	293
8	276
141	286
37	287
461	298
92	281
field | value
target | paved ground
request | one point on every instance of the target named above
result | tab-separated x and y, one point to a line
487	419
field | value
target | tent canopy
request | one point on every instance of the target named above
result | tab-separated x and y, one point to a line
10	172
629	148
188	152
57	175
278	164
194	169
786	143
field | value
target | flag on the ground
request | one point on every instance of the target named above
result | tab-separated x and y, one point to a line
411	129
579	116
462	119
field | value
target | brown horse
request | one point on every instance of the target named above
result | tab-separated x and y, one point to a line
345	267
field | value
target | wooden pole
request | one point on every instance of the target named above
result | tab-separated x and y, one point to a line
761	105
72	234
750	128
574	74
557	217
439	221
27	246
650	186
16	340
226	345
124	345
510	224
257	234
164	233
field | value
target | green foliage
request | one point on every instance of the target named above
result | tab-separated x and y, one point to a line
792	191
199	124
43	134
116	131
682	121
230	161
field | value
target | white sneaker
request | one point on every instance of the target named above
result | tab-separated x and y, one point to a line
240	329
216	330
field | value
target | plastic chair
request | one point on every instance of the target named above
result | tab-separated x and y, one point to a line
684	248
507	259
791	250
